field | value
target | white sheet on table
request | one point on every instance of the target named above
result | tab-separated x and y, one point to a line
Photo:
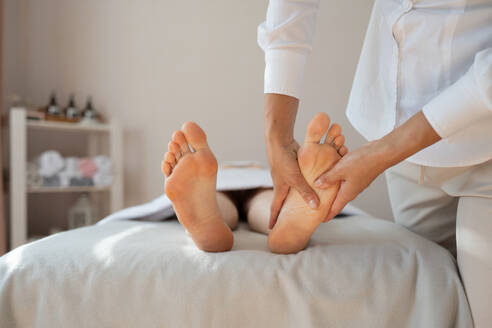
356	272
227	179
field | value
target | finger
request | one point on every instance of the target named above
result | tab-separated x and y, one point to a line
279	195
329	178
334	131
338	142
343	151
344	195
306	192
317	128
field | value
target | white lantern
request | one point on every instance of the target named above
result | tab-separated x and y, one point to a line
81	214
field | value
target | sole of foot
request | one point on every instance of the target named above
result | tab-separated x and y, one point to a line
297	221
190	168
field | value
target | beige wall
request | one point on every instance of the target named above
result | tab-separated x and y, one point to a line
155	64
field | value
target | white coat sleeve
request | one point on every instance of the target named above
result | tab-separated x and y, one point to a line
286	38
466	101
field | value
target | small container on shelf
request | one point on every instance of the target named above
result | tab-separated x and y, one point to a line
72	113
89	115
82	213
52	111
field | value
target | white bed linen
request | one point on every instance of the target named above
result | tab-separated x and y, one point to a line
356	272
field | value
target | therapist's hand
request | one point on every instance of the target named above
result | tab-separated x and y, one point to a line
286	174
281	148
357	169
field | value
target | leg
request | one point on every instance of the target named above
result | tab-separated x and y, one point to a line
297	221
229	212
474	243
453	200
191	178
257	210
424	209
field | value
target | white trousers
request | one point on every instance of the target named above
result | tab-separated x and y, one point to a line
453	207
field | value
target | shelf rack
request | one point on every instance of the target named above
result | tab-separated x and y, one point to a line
67	189
19	125
63	126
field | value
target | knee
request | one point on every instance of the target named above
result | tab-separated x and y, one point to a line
258	211
232	219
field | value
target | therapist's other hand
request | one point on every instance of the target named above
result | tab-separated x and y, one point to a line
356	171
281	148
286	174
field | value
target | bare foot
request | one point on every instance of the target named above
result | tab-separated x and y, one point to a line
297	221
191	177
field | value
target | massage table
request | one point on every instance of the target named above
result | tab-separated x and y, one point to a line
127	271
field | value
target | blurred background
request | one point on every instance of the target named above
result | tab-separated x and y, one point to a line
154	64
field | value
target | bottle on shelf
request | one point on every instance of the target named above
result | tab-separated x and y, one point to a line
53	111
89	115
72	113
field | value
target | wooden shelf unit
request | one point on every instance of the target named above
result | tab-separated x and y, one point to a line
19	126
63	126
68	189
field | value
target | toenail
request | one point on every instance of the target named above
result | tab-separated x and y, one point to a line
312	204
318	183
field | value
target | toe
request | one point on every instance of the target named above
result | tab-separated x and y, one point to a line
343	151
166	168
180	139
338	142
195	135
333	133
170	159
175	149
317	128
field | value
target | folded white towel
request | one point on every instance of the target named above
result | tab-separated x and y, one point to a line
102	179
50	163
71	170
72	166
103	164
52	181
